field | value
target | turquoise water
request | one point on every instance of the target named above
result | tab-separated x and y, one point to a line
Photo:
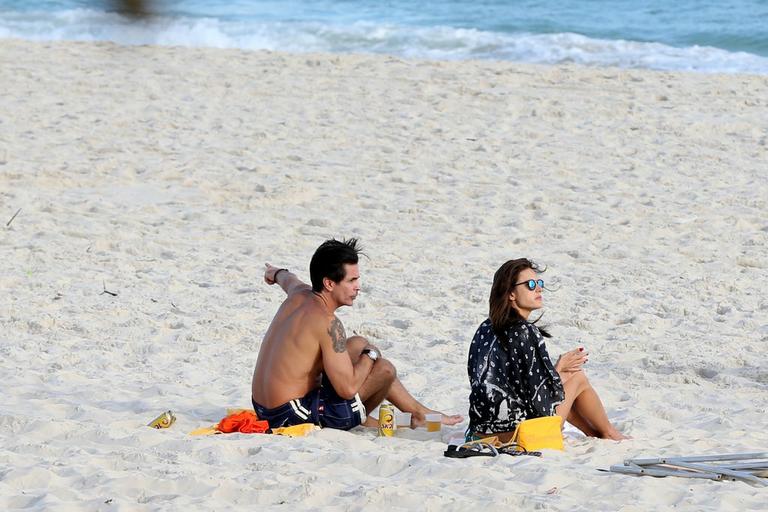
727	36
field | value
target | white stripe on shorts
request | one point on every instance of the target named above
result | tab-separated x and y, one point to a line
359	408
302	408
298	409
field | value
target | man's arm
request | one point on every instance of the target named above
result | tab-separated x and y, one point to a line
346	378
283	277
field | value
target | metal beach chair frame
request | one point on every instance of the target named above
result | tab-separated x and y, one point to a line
712	467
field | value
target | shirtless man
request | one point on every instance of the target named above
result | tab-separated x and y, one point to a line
308	371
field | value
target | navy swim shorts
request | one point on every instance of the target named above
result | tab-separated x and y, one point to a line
321	406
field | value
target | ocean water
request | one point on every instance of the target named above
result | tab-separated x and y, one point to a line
729	36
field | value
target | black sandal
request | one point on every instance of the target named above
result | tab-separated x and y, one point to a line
470	450
515	449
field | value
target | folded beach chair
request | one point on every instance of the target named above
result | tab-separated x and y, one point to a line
751	468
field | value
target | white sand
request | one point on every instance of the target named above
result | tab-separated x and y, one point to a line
171	175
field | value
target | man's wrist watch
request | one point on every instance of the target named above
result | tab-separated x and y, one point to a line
371	353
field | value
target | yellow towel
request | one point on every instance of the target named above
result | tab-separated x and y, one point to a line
301	430
205	431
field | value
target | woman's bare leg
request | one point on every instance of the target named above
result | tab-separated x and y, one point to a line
581	423
581	399
574	418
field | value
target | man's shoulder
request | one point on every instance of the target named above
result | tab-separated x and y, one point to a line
322	327
305	299
316	317
312	311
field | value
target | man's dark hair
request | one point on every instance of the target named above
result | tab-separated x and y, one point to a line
329	260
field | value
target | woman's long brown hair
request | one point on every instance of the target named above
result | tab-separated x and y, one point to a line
501	312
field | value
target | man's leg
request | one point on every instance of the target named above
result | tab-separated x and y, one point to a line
581	398
383	383
404	401
376	387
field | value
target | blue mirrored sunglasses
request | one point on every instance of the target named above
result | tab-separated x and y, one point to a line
532	283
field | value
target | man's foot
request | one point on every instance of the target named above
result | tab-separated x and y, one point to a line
418	419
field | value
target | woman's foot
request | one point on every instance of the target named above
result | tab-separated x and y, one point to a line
615	435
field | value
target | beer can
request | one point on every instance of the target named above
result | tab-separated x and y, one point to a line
386	420
165	420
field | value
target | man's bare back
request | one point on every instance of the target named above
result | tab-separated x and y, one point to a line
290	362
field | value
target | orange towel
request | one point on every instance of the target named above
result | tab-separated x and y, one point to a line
246	422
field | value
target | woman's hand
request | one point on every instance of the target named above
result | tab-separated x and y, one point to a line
572	361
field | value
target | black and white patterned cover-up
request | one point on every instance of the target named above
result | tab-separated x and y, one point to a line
511	380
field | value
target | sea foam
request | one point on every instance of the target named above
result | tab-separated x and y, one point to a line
434	42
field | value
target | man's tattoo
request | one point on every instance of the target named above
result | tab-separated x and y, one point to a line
338	336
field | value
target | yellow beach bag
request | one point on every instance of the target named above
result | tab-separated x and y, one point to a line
545	433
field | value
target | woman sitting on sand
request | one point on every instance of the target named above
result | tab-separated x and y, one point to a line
510	373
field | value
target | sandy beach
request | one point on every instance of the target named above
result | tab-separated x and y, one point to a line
153	183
